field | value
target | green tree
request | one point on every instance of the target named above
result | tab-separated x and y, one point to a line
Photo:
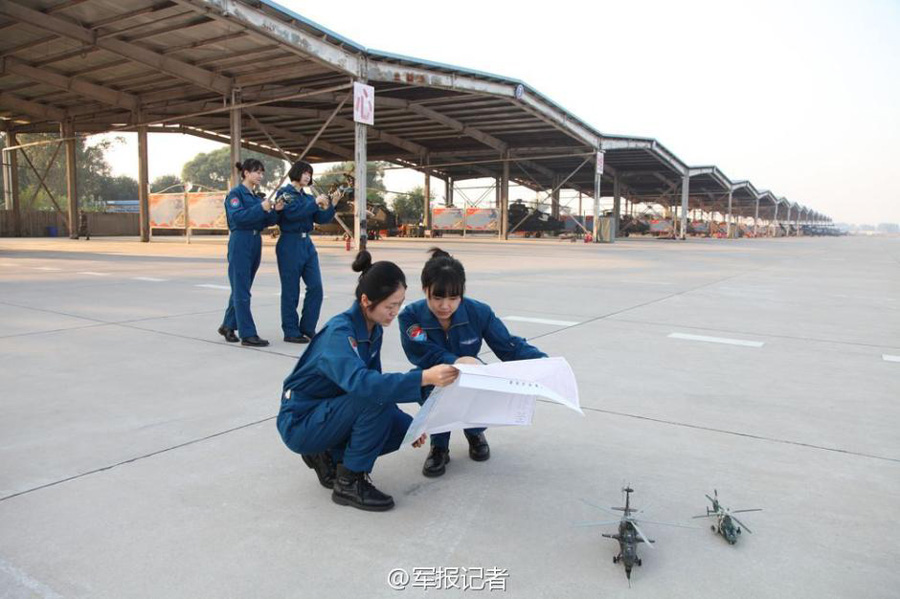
92	170
163	183
118	189
375	188
212	170
410	207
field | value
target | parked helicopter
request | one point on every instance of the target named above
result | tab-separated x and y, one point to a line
532	221
629	533
632	225
725	519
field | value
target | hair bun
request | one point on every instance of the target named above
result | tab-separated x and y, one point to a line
362	262
437	252
238	165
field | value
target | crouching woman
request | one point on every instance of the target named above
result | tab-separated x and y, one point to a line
338	410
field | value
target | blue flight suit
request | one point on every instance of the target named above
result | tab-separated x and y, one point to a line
297	257
427	344
246	218
337	400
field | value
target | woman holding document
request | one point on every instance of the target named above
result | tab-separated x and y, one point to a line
448	328
337	408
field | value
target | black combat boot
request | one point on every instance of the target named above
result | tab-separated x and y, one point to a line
254	341
229	335
436	462
323	465
479	450
356	489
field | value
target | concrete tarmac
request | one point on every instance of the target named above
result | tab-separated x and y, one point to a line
139	456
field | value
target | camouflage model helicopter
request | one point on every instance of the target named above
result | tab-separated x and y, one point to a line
378	217
725	519
629	533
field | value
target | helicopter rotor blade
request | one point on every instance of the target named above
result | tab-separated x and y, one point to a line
744	526
741	511
710	498
643	509
599	507
665	523
588	523
704	516
642	535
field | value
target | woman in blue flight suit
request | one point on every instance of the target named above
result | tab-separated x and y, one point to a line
247	216
448	328
297	256
337	406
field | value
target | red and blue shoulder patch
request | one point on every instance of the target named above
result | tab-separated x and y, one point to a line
416	333
235	202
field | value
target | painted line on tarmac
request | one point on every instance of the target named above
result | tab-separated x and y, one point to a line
562	323
210	286
657	323
37	588
94	274
723	340
633	282
302	295
149	279
890	358
736	433
135	459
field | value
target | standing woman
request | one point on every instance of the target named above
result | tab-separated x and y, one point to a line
247	215
448	328
338	408
297	256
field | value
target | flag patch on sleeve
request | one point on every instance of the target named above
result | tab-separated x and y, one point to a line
416	333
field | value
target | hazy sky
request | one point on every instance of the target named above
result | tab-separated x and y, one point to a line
798	97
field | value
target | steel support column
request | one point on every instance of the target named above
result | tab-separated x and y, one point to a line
617	206
67	130
685	191
504	198
554	197
11	191
359	193
756	219
144	183
598	180
730	227
235	133
426	215
774	229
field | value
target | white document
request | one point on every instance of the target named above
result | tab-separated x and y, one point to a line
501	394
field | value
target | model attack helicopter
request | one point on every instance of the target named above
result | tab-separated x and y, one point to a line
725	519
378	217
629	533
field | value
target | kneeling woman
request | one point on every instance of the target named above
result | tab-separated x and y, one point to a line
448	328
338	407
